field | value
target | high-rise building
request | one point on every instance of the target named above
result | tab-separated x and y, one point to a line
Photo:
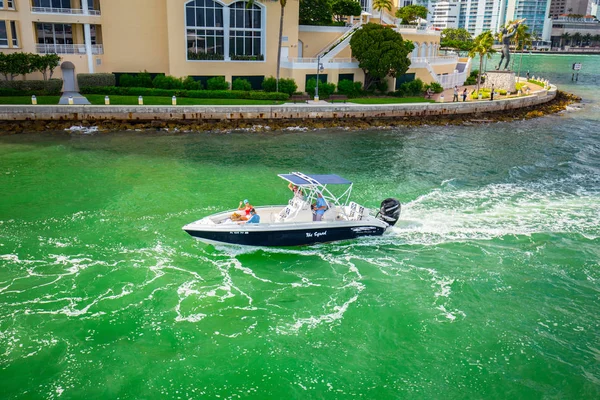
534	11
446	14
559	7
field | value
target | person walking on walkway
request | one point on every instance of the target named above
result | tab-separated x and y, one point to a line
455	97
464	95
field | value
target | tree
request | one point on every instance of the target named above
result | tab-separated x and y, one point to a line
46	64
565	36
597	39
343	8
482	46
577	38
587	38
315	12
410	13
380	5
521	39
282	3
460	34
380	52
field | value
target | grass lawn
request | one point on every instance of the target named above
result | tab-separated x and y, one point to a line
98	99
390	100
27	100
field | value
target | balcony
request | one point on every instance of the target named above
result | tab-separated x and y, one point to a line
63	11
67	49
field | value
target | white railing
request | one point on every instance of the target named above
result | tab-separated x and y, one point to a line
67	49
308	60
54	10
451	80
331	45
311	63
439	60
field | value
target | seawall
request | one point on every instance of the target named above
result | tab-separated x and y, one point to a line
287	112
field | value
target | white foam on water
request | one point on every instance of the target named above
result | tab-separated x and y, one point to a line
314	321
82	129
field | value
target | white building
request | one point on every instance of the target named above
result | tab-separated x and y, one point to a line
445	14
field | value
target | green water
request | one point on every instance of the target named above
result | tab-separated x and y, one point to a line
488	288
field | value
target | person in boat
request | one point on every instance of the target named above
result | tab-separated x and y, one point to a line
254	217
297	191
319	208
246	207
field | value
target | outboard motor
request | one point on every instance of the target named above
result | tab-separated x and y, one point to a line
389	211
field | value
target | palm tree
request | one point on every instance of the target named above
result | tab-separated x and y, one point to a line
597	39
482	46
587	38
283	3
577	38
380	5
521	39
565	36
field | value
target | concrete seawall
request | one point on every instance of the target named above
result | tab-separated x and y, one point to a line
283	112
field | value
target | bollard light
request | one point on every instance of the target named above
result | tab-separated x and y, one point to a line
519	92
442	98
141	101
70	100
106	100
174	100
33	100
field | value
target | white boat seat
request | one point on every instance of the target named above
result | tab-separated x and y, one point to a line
356	212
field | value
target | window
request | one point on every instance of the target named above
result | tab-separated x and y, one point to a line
53	34
245	30
52	3
218	32
10	4
3	34
205	32
13	31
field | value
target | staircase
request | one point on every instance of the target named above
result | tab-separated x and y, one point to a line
339	44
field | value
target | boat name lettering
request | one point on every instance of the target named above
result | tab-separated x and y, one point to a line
316	234
238	233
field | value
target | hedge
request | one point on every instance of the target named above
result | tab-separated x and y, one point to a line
91	80
198	94
52	87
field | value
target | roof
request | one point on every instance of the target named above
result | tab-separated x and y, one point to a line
321	179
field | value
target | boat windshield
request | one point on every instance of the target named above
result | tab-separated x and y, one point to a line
311	185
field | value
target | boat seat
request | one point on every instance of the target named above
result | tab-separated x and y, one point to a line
356	212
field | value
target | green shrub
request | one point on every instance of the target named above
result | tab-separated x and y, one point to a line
217	83
412	88
485	94
51	87
325	88
471	80
143	79
436	87
269	84
87	80
167	82
382	86
502	92
190	83
349	88
241	84
287	85
127	80
199	94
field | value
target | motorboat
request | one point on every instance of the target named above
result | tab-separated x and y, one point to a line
293	224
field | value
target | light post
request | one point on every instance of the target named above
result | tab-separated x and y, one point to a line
319	69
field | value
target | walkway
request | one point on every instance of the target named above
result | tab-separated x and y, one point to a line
77	99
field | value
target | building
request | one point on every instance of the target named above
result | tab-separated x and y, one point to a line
536	14
595	8
559	7
568	31
203	39
446	14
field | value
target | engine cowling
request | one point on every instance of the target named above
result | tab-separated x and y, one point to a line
389	211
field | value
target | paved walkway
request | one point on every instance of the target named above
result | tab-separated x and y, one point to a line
77	99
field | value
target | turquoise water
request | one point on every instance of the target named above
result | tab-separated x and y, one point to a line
487	288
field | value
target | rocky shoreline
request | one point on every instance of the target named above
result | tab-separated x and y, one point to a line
558	104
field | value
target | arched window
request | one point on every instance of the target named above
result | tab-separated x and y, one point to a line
245	31
205	31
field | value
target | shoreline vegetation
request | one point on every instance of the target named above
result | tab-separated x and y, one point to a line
558	104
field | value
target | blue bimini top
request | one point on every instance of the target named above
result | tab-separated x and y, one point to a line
315	179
